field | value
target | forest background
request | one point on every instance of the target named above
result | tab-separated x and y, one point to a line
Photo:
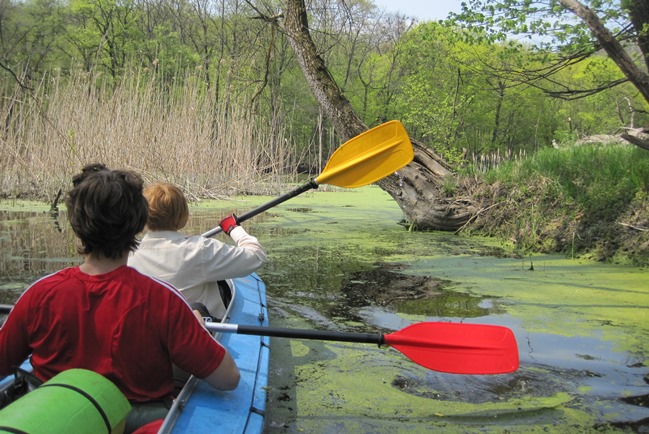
209	95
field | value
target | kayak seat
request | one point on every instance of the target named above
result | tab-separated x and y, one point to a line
226	292
202	309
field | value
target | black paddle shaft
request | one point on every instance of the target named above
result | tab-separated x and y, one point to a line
283	198
324	335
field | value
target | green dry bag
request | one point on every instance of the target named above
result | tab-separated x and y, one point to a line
75	401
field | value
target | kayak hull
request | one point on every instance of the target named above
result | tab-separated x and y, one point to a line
202	409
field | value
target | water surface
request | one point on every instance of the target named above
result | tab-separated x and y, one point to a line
340	261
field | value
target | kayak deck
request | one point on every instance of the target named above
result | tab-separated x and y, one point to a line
200	408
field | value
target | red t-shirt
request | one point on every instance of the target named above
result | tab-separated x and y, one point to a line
124	325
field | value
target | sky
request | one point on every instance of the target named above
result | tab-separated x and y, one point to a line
424	10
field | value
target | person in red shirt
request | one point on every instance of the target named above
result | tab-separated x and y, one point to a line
107	317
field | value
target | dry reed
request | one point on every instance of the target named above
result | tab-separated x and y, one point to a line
175	133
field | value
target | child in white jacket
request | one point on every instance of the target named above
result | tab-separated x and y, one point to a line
192	264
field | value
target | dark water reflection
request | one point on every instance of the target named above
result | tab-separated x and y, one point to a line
32	244
320	278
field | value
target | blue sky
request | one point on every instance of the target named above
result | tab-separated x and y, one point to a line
421	9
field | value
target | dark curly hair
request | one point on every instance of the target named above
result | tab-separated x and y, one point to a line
106	209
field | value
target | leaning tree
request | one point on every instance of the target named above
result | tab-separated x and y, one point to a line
417	188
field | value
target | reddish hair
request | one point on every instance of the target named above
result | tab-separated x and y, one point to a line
168	210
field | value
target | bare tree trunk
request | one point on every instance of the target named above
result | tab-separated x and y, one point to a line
418	187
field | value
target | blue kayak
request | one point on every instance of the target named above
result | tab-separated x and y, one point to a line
199	408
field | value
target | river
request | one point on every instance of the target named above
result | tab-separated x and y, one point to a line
338	260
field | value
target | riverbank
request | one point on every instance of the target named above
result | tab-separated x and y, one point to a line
584	202
589	201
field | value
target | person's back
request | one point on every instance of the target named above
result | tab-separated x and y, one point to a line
107	317
116	324
192	264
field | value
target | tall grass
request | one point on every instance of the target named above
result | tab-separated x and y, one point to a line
175	133
600	178
584	198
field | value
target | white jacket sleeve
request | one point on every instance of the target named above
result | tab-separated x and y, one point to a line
236	261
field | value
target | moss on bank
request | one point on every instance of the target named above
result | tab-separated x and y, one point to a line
588	201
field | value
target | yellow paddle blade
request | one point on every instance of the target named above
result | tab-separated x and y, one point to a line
368	157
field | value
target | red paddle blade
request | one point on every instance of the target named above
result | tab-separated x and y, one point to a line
458	348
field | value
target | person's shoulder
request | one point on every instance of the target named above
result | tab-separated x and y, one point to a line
179	240
58	276
49	284
146	282
199	241
133	274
